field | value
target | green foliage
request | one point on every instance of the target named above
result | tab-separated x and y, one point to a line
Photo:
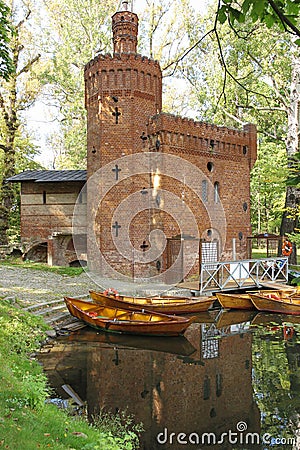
267	188
253	88
293	178
17	94
242	76
26	420
25	151
164	27
21	334
121	426
76	32
275	394
283	13
295	237
6	63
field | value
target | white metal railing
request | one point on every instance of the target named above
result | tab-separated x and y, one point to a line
237	274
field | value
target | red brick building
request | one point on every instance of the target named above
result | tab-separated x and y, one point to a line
190	180
159	187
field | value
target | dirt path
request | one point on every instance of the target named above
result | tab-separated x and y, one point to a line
28	286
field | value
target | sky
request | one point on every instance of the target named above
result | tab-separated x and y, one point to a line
199	5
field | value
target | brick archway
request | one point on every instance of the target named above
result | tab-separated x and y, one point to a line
37	252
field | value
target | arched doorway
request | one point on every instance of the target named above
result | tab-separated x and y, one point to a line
37	253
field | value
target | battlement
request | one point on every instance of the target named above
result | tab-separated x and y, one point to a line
129	59
192	136
123	75
178	124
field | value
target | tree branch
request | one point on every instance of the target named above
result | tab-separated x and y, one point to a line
241	122
272	136
29	65
176	62
263	108
283	18
223	62
19	24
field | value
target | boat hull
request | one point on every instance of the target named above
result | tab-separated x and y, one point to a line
164	305
117	320
284	305
234	301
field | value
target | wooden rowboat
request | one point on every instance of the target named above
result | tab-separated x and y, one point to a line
243	300
118	320
165	305
273	302
234	301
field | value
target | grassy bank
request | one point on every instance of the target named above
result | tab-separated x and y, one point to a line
61	270
27	422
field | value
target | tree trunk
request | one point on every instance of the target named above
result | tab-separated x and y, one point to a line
290	218
8	105
6	189
7	193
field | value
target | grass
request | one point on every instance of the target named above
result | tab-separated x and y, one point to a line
61	270
27	421
261	253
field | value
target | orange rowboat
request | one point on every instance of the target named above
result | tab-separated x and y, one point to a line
243	301
234	301
119	320
165	305
272	302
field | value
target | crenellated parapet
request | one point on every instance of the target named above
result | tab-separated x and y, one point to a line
123	74
184	135
93	64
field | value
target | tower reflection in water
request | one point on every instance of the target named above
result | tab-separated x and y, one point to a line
200	383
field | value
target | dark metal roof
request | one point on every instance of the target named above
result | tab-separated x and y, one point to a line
49	176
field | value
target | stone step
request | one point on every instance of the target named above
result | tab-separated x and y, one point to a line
48	311
40	305
54	319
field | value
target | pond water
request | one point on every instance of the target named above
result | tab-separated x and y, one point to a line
232	381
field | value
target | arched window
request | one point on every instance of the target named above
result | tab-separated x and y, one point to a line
217	192
204	191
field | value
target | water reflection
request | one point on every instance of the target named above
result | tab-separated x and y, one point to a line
234	373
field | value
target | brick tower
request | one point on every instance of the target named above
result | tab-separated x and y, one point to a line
122	92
